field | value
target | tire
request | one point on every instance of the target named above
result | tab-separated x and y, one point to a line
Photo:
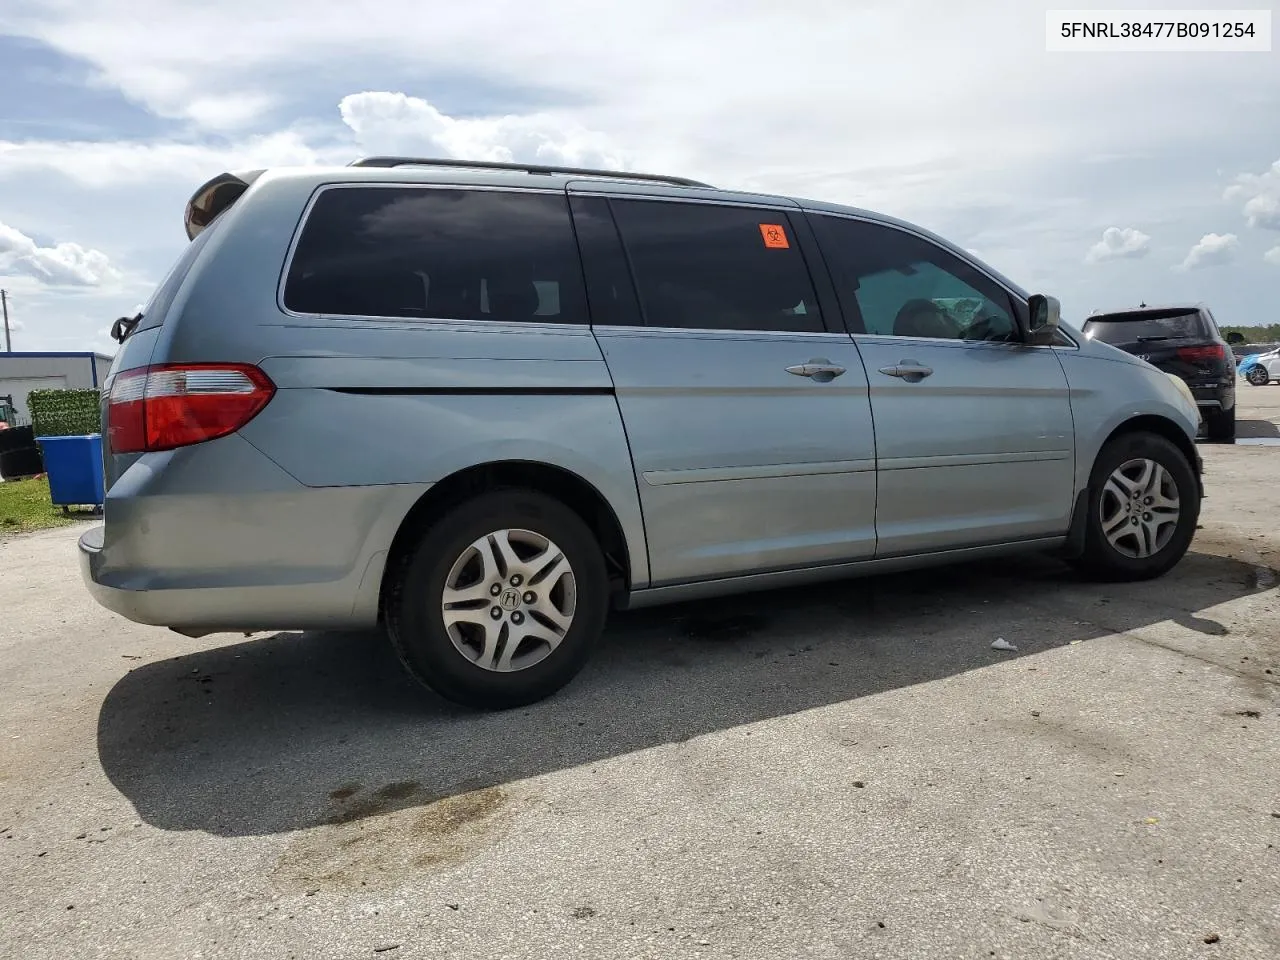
465	663
1130	557
1257	375
1220	425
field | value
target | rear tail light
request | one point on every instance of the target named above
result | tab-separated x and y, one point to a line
177	404
1207	354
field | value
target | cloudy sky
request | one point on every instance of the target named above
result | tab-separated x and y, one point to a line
1102	178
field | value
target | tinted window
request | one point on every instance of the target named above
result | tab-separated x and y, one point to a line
445	254
705	266
892	283
1149	325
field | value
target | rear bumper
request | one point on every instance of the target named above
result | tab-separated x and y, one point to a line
210	609
1214	396
218	538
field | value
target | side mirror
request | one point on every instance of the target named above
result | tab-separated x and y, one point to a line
1045	314
1235	336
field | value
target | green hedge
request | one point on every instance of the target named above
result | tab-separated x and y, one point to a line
64	413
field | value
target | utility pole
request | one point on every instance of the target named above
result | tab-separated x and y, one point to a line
4	305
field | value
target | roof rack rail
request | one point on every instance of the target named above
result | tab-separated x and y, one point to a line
534	168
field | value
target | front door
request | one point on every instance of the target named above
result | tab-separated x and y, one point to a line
745	405
974	432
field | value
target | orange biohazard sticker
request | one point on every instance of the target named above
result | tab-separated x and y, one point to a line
775	238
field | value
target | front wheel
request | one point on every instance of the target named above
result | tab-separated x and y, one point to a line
501	601
1258	375
1143	505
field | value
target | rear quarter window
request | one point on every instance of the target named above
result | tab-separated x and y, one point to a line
448	254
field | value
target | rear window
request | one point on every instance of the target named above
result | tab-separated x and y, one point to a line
1147	325
414	252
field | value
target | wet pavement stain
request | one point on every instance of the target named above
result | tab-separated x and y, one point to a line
398	790
386	836
351	804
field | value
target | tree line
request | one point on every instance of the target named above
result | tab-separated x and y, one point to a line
1268	334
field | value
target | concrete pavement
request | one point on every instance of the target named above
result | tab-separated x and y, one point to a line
846	771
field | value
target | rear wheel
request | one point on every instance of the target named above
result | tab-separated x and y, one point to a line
1144	502
1257	375
1220	425
501	602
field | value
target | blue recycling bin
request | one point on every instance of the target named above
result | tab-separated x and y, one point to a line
74	468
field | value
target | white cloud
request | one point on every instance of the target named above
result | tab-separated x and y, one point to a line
683	79
372	122
1263	211
1272	256
1212	250
63	264
120	163
227	112
394	123
1119	244
197	52
1251	184
1261	193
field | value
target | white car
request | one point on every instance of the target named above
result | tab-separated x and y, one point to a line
1264	369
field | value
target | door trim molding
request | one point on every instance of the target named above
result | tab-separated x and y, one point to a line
769	471
972	459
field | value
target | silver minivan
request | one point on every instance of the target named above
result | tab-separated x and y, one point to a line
479	405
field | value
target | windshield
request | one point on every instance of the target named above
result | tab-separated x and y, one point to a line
1147	325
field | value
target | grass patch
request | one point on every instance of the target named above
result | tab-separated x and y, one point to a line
25	505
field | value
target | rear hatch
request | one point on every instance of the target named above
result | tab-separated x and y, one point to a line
1179	341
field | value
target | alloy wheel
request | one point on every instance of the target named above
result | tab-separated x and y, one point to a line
1139	508
509	600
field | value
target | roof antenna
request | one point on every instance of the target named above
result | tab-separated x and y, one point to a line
1143	304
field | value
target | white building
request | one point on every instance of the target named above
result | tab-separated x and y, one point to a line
22	372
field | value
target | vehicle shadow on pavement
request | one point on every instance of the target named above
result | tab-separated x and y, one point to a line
1256	429
290	731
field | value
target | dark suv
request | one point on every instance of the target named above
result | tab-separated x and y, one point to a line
1186	342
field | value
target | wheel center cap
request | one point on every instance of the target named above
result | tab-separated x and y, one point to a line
510	599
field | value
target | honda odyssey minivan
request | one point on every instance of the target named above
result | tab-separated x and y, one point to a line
480	405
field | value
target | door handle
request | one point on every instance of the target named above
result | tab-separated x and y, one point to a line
912	371
819	368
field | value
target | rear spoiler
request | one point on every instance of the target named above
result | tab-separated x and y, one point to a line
214	197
